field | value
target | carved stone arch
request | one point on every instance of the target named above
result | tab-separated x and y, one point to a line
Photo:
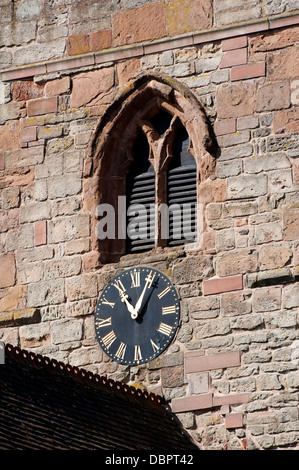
110	150
141	100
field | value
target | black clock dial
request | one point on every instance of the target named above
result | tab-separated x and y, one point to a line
137	315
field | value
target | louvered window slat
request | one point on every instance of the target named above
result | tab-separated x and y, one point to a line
141	191
182	191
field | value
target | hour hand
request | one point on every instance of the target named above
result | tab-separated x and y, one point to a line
124	298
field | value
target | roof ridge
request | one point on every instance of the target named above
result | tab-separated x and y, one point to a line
80	374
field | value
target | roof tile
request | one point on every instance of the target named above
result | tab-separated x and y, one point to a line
46	404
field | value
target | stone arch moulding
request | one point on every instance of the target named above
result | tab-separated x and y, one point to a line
109	154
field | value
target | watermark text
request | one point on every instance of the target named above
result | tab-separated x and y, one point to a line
140	222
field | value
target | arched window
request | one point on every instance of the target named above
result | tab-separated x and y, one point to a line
153	147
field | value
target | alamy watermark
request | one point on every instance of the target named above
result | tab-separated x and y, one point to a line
138	221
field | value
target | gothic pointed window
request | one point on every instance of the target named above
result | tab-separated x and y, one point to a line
153	147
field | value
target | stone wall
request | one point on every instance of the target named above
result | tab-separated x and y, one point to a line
57	28
231	374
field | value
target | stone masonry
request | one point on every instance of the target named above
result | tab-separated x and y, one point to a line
231	374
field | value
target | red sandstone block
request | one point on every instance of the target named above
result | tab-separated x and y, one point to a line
222	284
2	166
195	353
247	71
282	22
28	135
201	363
225	410
7	270
139	24
194	402
232	399
234	420
225	126
42	106
234	43
78	44
40	233
70	63
24	90
122	53
101	40
37	143
58	87
25	72
236	32
161	46
233	58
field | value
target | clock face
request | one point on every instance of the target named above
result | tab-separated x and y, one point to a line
137	316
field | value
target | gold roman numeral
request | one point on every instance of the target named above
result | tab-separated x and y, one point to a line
165	329
120	353
106	302
170	309
154	346
101	322
137	353
109	338
167	289
135	276
119	285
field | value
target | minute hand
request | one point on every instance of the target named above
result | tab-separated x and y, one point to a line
139	301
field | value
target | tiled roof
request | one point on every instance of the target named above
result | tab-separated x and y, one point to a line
45	404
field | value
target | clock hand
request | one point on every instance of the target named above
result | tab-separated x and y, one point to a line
124	298
149	281
139	301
